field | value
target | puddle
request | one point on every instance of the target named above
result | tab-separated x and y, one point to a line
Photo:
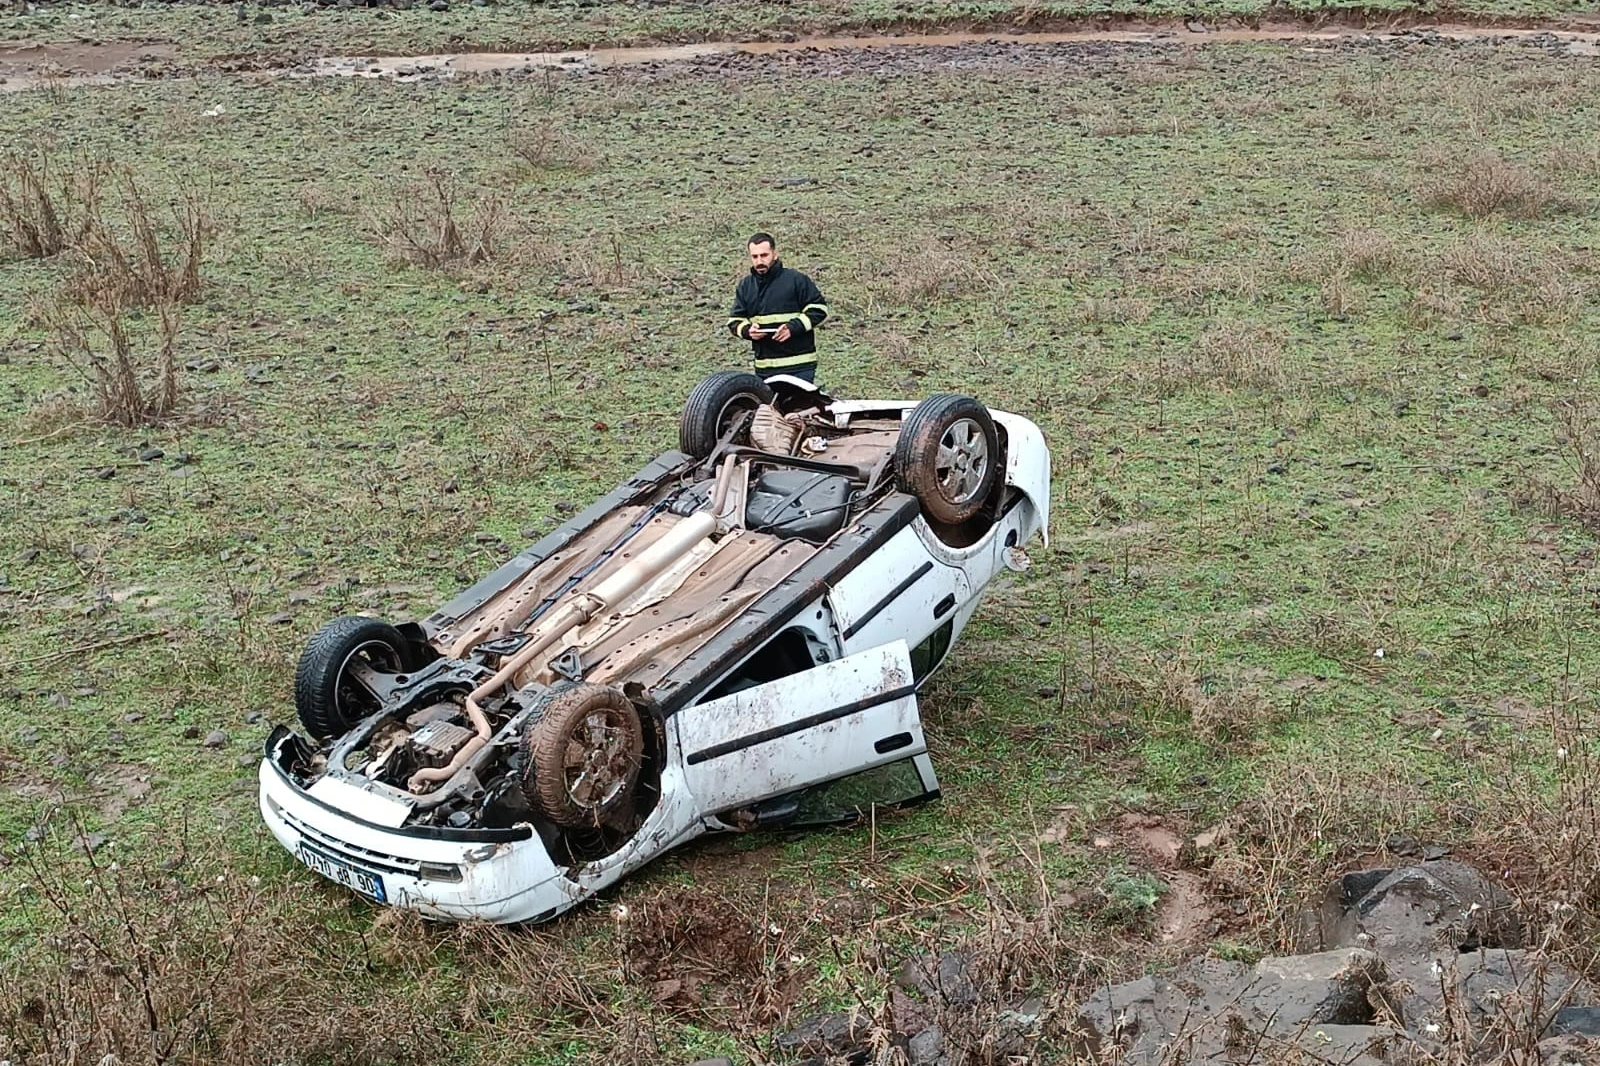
71	65
405	68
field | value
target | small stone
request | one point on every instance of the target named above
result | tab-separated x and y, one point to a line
150	454
93	843
1402	845
263	19
485	538
1043	621
1278	467
253	717
439	5
133	719
566	506
1048	691
282	618
215	739
105	473
192	733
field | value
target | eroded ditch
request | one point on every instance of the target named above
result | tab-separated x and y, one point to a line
43	66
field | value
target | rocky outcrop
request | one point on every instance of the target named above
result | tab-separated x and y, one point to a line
1413	960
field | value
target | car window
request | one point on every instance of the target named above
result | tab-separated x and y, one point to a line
851	798
787	653
931	652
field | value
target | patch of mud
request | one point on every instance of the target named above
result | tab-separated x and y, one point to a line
35	66
1185	915
32	66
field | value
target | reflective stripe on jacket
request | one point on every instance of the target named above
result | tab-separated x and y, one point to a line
780	297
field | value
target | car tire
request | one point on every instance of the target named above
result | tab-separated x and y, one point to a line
948	457
712	407
583	732
325	696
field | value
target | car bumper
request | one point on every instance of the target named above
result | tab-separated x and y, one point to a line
494	881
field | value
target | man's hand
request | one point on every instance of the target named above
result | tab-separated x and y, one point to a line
782	334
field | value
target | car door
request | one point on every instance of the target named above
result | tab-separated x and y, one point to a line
816	725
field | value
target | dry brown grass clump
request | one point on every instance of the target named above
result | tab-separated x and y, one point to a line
139	965
46	213
548	147
1238	355
1486	183
425	223
935	271
129	266
133	375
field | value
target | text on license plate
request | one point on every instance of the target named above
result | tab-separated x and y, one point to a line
353	877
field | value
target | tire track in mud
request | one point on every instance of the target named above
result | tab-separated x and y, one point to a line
43	66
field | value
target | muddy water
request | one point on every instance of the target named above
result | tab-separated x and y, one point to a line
36	66
409	67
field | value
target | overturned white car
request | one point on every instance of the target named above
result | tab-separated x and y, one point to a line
715	645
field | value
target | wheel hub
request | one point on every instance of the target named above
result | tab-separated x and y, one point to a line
963	461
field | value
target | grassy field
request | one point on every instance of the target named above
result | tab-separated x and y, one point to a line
1311	332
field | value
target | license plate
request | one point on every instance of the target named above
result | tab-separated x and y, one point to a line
365	882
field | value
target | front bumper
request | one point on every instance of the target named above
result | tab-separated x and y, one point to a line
492	881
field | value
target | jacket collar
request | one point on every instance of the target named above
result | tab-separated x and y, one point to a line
772	271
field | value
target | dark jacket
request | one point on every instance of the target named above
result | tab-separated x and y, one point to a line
781	296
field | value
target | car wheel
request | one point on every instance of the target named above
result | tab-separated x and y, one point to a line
948	457
580	760
328	692
713	406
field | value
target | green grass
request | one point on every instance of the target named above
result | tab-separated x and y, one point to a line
1259	481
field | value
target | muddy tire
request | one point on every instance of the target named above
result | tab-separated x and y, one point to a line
713	406
581	759
948	457
327	695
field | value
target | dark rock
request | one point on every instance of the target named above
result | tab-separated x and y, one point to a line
927	1047
485	538
794	183
942	978
215	739
106	473
1328	988
253	717
827	1034
1576	1021
566	506
280	619
439	5
150	455
262	19
721	1060
192	733
1403	846
1446	903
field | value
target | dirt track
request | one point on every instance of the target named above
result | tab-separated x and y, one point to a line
35	66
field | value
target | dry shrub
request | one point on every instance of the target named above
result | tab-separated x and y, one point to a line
1580	159
1277	851
1486	183
1113	310
139	965
1551	834
124	267
1578	436
1238	355
423	223
1222	707
1367	253
45	213
132	385
1485	262
1339	298
548	147
933	272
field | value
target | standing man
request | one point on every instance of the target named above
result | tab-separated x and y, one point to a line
778	311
